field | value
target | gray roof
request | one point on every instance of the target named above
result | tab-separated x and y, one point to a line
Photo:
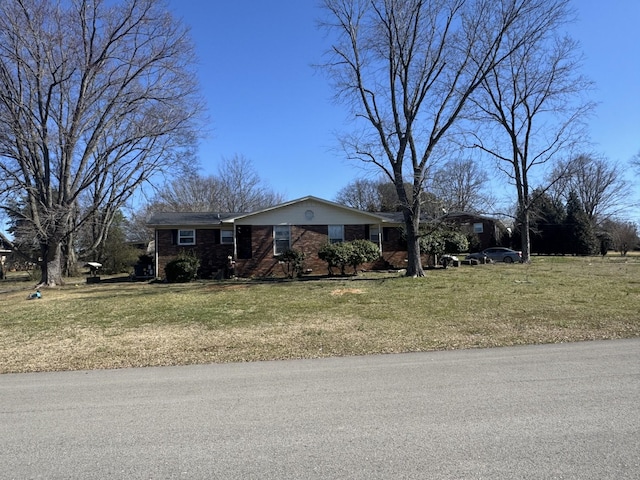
479	216
170	219
398	217
395	217
204	219
210	219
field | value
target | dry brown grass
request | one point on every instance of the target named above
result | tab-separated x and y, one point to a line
117	325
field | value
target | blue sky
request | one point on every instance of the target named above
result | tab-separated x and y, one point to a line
268	103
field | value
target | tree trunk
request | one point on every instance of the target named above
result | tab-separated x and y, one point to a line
70	260
525	236
414	261
51	264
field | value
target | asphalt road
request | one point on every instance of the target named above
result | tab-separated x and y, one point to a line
543	412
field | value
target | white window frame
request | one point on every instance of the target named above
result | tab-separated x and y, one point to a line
337	235
226	237
186	236
478	227
280	234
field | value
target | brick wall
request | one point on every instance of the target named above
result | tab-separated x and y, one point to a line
309	239
213	255
263	263
305	238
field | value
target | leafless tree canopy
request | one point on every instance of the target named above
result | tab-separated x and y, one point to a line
96	97
599	184
370	195
624	235
237	187
531	107
408	68
242	188
461	185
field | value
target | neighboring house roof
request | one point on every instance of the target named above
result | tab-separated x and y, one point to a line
395	217
398	217
466	214
469	215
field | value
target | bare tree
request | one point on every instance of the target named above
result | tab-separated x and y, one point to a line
461	185
531	107
371	195
242	188
624	235
599	184
362	194
407	68
135	222
237	187
189	193
96	97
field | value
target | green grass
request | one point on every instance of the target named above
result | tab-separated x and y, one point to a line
107	325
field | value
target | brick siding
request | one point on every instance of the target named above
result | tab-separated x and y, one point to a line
213	255
263	263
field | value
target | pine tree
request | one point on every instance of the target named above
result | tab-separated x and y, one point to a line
580	234
547	224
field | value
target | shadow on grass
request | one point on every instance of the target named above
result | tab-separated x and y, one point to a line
121	279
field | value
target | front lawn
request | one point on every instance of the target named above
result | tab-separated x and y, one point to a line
125	324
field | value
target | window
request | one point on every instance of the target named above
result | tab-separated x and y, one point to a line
281	239
226	237
478	228
336	233
374	234
186	237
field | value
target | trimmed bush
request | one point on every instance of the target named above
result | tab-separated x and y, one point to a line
183	269
363	251
335	254
353	253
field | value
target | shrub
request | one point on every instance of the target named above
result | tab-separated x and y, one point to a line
335	254
475	245
362	251
292	262
183	269
441	241
353	253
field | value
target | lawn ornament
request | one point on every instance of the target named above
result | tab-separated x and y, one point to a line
34	295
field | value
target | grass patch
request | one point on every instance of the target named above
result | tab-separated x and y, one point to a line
113	325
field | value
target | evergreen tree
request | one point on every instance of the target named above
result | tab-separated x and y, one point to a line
580	233
547	219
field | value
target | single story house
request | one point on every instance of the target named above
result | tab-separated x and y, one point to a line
252	241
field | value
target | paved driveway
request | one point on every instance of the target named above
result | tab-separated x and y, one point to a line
543	412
